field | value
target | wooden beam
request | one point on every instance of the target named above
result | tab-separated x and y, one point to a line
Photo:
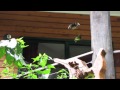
101	38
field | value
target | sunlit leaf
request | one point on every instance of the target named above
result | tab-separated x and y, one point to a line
6	70
34	76
47	71
37	58
22	43
43	60
18	63
50	66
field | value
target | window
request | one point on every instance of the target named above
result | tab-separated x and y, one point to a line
56	48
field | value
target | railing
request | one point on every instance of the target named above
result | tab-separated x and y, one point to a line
79	56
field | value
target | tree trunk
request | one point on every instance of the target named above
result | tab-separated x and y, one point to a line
101	38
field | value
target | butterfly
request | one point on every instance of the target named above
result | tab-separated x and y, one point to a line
73	26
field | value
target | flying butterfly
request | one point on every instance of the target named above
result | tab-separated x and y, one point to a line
73	26
78	38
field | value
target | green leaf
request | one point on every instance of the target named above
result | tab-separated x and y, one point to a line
18	63
21	42
6	70
9	59
34	76
90	76
50	66
23	46
5	61
39	72
45	56
14	75
47	71
2	52
34	65
63	71
43	60
28	66
18	49
37	58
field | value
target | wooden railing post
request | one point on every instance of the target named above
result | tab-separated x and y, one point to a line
101	38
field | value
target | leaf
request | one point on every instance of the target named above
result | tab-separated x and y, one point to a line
2	52
34	65
37	58
90	76
39	72
21	42
9	59
23	46
6	70
63	71
43	60
28	66
18	63
34	76
18	49
50	66
14	75
5	61
45	56
47	71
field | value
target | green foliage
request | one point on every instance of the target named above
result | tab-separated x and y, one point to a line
13	54
9	58
50	66
8	71
43	60
2	51
12	50
63	74
90	76
38	61
21	43
14	58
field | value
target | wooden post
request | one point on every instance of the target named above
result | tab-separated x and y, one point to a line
101	38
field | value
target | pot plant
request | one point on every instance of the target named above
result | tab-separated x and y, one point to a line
11	54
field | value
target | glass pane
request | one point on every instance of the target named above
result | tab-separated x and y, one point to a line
77	50
52	49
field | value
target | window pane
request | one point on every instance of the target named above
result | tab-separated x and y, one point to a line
52	49
77	50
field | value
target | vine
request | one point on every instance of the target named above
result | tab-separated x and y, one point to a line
12	50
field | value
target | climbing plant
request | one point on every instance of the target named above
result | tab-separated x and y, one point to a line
12	50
